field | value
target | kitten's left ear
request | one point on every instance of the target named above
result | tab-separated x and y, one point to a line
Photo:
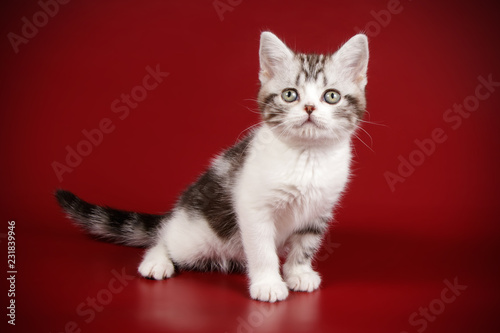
353	59
274	56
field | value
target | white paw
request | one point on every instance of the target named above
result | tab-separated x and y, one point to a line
156	267
305	281
271	291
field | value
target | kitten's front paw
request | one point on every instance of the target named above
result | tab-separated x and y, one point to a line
271	291
156	268
305	281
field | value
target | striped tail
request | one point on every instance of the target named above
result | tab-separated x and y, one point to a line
117	226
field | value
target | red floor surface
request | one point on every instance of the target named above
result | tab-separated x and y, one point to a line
415	247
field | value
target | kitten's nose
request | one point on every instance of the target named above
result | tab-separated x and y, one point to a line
309	108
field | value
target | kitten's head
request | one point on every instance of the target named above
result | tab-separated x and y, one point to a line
310	98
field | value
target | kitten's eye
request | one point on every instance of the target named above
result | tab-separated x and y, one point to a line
332	96
289	95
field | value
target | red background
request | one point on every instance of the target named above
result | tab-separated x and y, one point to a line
389	251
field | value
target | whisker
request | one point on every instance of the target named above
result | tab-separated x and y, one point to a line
371	139
371	123
354	134
249	128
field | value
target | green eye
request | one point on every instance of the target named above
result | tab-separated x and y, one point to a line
332	96
289	95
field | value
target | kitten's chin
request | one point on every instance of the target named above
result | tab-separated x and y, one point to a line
311	134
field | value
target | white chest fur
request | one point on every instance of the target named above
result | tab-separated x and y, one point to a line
296	186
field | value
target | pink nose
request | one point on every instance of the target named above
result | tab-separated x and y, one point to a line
309	108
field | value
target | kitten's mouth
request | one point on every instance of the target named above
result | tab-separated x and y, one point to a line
309	122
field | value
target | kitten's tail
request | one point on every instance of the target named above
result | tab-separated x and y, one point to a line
118	226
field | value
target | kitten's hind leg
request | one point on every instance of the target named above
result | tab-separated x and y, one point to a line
297	270
156	263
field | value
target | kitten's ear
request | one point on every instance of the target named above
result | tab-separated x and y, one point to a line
274	56
352	58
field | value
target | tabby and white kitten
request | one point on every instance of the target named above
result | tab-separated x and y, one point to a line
270	194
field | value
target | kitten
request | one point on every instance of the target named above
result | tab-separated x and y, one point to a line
271	193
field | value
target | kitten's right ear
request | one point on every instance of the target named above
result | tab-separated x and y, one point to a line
274	56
